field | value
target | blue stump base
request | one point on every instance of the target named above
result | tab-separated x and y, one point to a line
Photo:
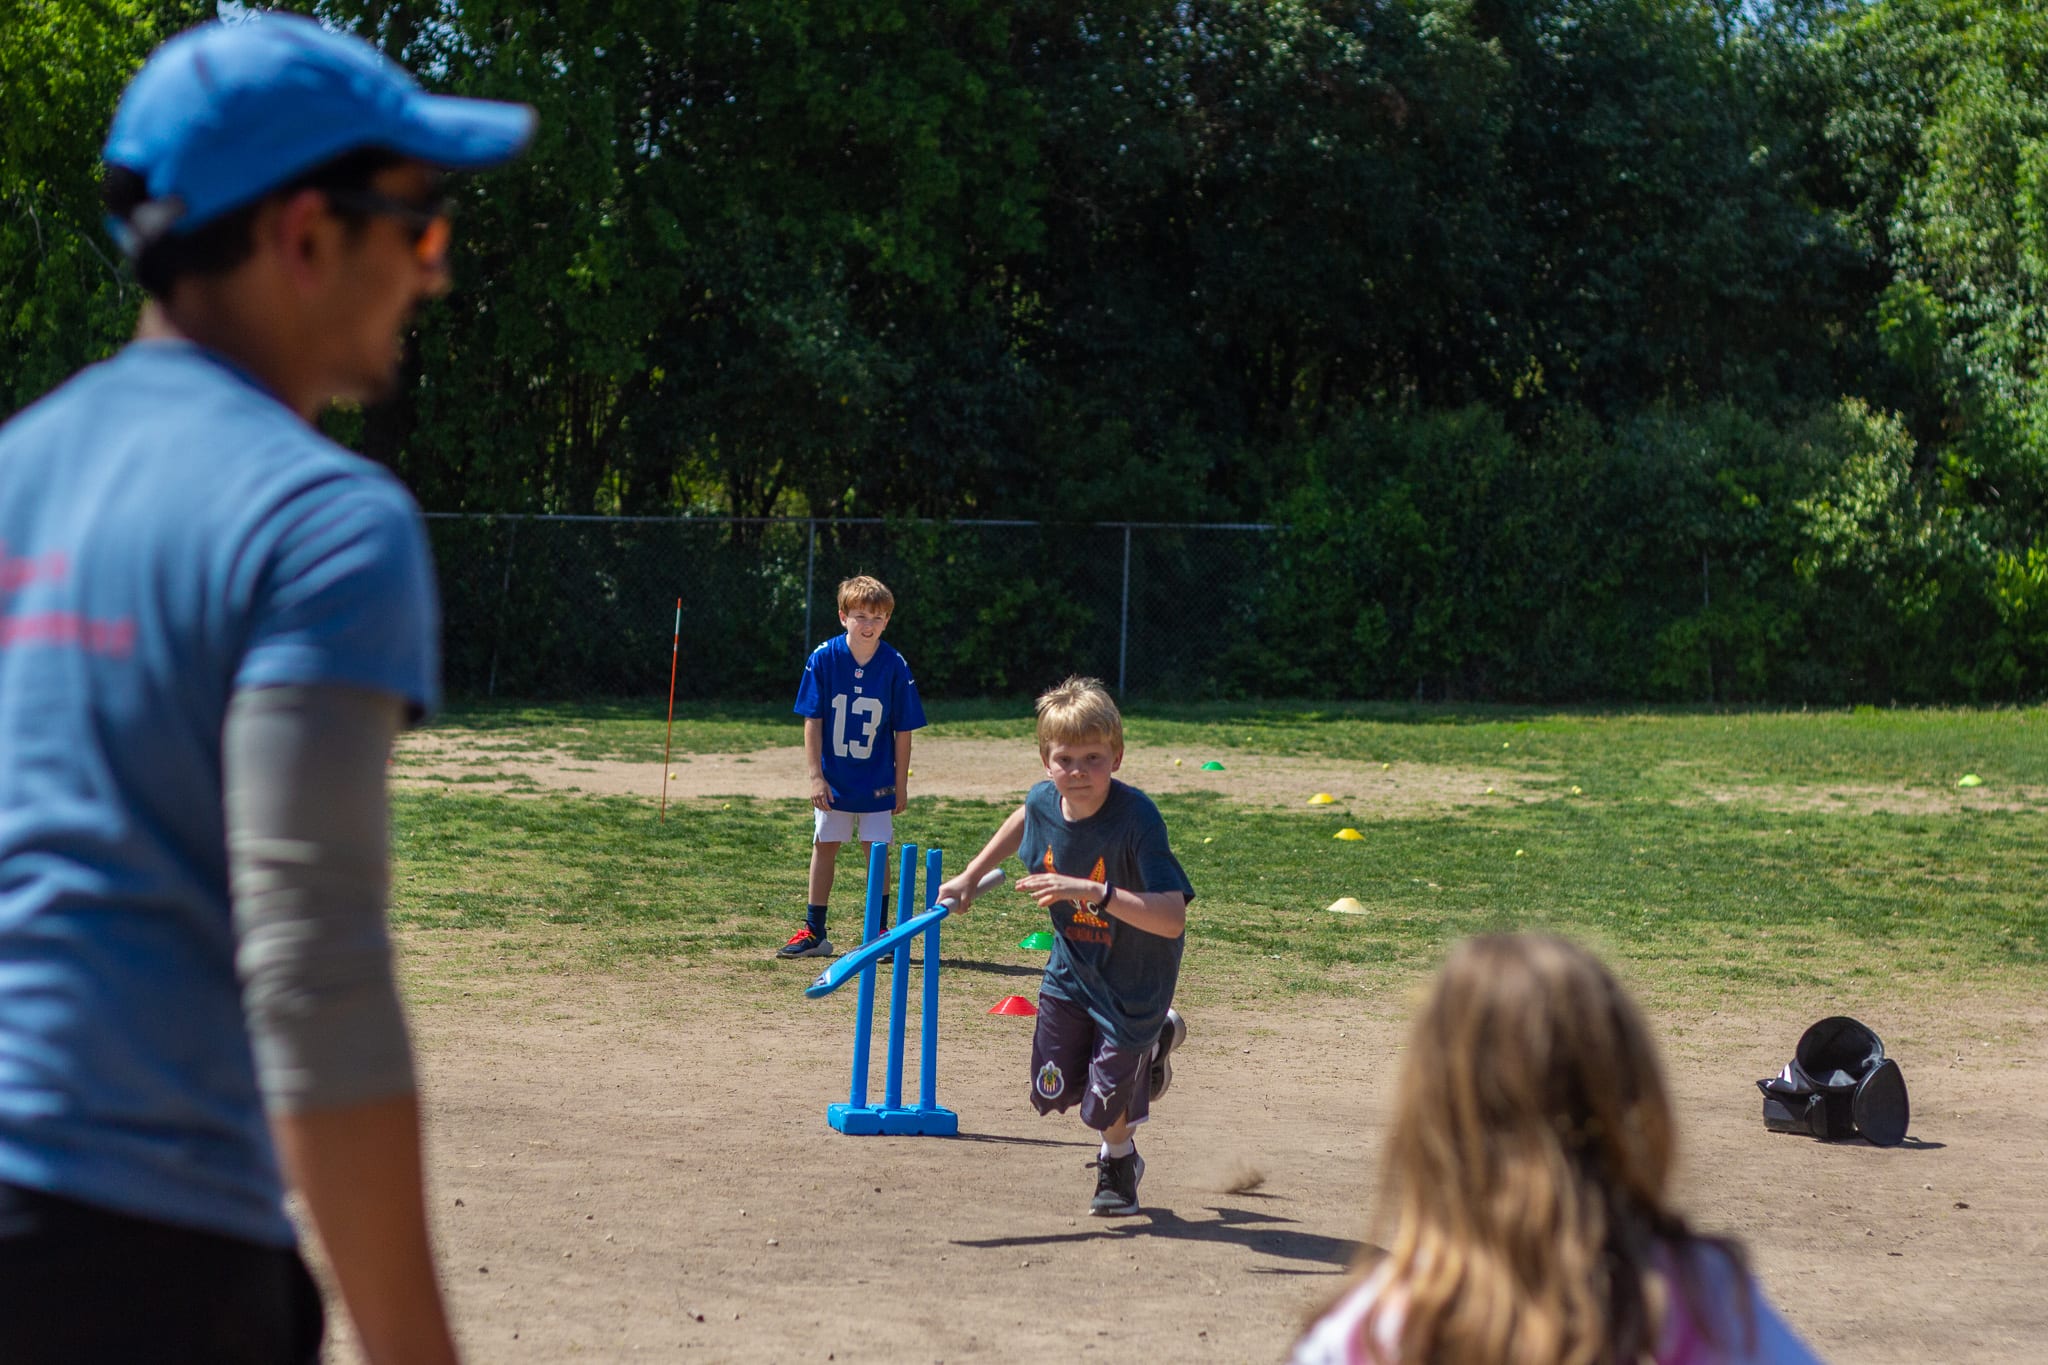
863	1120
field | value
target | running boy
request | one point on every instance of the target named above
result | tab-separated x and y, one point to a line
859	705
1096	856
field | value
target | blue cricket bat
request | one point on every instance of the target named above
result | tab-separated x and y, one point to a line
845	968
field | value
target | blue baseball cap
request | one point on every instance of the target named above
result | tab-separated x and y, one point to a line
224	113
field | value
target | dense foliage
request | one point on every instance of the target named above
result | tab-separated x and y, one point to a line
1653	348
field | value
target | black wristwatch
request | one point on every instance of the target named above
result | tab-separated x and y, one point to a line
1102	906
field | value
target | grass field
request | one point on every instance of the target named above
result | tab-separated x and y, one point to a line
1704	852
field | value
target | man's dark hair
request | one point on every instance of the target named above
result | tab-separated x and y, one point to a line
217	247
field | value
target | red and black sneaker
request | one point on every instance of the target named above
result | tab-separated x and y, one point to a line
804	943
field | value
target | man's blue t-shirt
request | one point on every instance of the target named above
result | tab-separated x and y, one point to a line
1122	975
863	707
169	534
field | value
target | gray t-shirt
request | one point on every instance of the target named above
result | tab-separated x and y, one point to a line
1121	974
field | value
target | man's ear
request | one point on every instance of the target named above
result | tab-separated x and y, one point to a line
300	229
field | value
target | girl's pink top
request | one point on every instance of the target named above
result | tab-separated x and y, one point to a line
1333	1339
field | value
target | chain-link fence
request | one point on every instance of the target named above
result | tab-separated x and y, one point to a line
547	606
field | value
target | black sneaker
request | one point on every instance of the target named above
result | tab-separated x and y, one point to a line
1116	1185
804	943
1170	1037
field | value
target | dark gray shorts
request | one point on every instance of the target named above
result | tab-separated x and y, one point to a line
81	1285
1073	1062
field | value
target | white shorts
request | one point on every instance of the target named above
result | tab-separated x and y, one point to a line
853	827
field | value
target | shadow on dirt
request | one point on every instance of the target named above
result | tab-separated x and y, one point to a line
1245	1227
989	968
1009	1141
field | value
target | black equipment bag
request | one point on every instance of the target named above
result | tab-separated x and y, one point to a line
1839	1084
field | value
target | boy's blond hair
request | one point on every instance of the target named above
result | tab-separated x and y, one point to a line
863	591
1077	711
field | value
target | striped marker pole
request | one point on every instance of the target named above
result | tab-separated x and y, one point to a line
675	646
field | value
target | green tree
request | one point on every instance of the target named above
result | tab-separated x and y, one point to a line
1672	245
64	299
756	260
1259	217
1943	107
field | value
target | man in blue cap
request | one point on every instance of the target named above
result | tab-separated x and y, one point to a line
213	622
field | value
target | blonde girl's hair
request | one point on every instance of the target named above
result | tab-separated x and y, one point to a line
1527	1168
1078	711
863	591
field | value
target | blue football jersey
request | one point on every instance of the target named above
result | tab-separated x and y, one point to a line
863	707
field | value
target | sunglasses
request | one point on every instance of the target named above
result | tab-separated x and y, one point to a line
426	225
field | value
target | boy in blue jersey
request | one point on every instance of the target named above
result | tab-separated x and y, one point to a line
212	623
859	705
1096	855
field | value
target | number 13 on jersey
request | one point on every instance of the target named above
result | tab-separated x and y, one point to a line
866	714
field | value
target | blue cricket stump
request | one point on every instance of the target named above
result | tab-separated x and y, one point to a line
925	1118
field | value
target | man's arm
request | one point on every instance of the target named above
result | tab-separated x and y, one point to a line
358	1169
309	852
814	761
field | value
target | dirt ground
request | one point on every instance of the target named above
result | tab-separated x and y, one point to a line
975	769
640	1169
992	769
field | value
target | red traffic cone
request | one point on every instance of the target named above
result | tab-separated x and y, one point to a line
1013	1004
